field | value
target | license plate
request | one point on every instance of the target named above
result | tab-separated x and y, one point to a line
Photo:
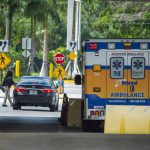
33	92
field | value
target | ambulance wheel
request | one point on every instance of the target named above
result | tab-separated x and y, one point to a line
93	126
86	124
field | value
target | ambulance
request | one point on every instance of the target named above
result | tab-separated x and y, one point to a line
116	72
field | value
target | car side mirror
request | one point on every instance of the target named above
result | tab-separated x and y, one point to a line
77	79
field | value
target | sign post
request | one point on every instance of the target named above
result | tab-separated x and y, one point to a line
59	72
26	44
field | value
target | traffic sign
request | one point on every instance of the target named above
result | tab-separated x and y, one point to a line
59	72
73	46
3	45
59	58
26	43
26	53
4	60
72	56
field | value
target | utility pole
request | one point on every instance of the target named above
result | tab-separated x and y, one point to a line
73	33
44	69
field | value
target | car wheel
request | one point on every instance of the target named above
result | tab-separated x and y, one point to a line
15	107
19	106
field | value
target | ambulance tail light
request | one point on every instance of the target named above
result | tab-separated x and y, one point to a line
93	46
102	113
97	113
143	46
91	113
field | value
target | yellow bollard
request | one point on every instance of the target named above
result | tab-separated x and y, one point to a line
51	70
149	128
17	68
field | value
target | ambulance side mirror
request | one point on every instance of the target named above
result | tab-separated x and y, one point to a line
77	79
56	86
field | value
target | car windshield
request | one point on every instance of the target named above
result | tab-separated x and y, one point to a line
34	81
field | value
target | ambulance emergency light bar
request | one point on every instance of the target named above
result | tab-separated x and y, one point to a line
126	45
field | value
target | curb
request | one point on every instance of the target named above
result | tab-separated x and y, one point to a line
68	81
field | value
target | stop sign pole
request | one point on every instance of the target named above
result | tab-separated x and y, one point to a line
59	58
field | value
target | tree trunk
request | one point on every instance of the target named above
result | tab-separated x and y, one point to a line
44	69
33	49
8	25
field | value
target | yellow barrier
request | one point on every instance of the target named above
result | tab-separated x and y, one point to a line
127	119
51	70
17	68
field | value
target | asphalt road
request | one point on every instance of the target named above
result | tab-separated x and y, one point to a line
73	141
36	128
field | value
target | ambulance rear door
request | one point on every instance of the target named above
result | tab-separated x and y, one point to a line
138	77
116	77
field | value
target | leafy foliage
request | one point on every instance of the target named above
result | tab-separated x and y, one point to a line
100	19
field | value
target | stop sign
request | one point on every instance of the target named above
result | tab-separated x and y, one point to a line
59	58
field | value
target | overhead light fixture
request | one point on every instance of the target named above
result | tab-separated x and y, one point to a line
143	46
111	46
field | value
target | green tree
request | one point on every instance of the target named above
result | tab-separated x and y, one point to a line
50	7
10	7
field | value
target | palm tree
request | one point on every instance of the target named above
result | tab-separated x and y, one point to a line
11	7
32	9
39	11
50	8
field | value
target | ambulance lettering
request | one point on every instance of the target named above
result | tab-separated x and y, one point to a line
138	95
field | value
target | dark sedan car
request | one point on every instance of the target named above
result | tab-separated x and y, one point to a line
35	91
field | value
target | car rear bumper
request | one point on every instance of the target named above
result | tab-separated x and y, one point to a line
33	101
